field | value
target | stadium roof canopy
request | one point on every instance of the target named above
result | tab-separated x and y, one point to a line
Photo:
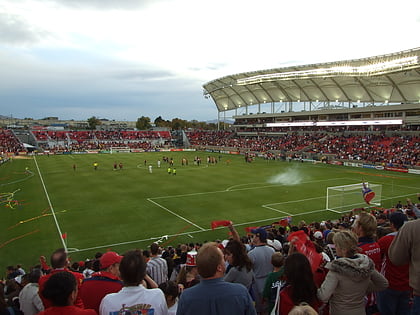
386	79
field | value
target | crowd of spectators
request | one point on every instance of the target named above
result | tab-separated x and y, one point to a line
329	267
100	140
9	143
380	148
396	150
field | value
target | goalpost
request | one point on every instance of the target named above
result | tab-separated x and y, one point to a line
120	150
347	197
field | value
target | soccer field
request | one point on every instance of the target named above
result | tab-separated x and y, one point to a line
130	208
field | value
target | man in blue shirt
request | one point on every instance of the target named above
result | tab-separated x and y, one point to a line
213	295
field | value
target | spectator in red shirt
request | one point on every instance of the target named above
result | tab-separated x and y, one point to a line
59	263
395	299
61	290
103	282
365	227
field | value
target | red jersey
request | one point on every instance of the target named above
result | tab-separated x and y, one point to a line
397	276
286	303
79	278
93	289
371	249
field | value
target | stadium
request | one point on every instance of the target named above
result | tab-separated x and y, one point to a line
303	141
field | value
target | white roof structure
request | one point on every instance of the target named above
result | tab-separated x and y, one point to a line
386	79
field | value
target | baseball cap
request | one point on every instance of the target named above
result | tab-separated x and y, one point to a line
191	256
318	235
109	258
275	244
261	233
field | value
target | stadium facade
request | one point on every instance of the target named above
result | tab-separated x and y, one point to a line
376	88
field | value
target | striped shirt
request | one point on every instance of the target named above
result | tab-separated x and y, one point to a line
157	269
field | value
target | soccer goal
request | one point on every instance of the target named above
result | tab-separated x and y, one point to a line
347	197
120	150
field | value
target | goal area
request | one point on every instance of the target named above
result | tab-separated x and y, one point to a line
347	197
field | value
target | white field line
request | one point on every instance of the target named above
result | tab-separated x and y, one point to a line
19	180
229	189
175	214
273	185
180	234
274	209
51	206
201	230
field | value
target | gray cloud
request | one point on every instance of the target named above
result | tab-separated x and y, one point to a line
107	4
14	30
211	67
143	74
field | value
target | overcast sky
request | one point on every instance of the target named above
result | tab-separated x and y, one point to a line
122	59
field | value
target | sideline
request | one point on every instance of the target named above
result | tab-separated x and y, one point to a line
51	206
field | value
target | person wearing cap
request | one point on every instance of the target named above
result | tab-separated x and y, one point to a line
134	298
188	274
213	295
59	263
260	256
157	267
405	248
103	282
394	299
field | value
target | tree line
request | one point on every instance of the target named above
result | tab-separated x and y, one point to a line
145	123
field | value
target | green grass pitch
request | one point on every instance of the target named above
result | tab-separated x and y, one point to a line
131	208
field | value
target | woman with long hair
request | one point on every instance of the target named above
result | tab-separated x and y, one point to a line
300	285
240	265
350	277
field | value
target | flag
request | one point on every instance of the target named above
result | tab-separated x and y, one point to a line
64	235
368	194
215	224
284	222
304	245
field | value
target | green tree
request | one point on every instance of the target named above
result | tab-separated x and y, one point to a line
93	122
178	124
143	123
160	122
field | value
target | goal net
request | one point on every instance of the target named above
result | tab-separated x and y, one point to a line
120	150
347	197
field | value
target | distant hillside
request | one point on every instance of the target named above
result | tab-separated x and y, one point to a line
7	117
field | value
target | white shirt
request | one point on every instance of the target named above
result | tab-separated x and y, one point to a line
30	302
134	298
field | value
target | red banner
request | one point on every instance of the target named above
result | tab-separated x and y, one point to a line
304	245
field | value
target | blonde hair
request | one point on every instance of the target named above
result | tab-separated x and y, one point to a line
346	241
367	224
303	309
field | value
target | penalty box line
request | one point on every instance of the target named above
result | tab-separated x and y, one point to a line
175	214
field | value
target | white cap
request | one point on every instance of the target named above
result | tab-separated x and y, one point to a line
318	235
275	244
